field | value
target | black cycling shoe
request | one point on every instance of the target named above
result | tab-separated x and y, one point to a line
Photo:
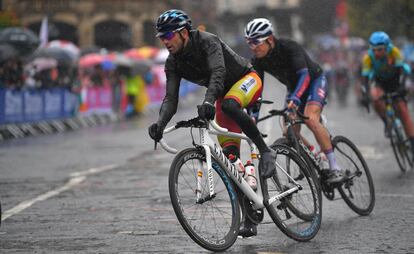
248	229
267	164
336	176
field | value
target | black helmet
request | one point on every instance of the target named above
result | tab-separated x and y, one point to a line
172	20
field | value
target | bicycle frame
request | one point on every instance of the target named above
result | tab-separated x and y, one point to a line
210	147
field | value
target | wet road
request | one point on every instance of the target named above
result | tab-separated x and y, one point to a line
104	190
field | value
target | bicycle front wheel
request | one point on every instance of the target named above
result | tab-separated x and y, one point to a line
401	148
358	190
212	221
299	214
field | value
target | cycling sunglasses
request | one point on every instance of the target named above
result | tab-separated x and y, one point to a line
378	48
169	35
253	43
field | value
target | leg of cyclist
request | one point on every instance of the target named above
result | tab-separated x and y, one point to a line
376	92
313	109
297	129
402	111
243	94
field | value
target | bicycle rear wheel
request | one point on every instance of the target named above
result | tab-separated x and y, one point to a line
401	148
299	214
213	222
358	190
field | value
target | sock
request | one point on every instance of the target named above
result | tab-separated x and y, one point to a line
332	160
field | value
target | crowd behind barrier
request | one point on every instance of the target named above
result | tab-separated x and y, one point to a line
52	86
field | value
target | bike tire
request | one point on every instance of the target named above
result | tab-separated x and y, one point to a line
358	190
327	190
213	224
298	215
306	160
401	148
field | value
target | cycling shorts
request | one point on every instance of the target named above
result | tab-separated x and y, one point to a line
246	91
316	94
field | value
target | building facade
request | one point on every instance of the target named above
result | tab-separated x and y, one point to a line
110	24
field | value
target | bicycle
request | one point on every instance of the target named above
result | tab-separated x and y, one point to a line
204	189
358	183
400	144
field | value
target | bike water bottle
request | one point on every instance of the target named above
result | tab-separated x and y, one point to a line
250	176
397	123
237	163
324	163
315	154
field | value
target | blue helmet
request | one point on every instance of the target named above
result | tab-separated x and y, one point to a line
172	20
379	38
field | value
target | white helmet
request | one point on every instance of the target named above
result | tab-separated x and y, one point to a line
258	28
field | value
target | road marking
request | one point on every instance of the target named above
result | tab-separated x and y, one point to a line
76	178
28	203
93	170
396	195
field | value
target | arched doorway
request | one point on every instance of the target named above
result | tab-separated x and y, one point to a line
149	33
58	31
113	35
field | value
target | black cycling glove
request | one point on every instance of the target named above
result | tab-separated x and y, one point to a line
206	111
155	132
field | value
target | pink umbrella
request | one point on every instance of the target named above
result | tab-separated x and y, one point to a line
91	60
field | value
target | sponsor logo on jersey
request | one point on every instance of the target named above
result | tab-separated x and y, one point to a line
247	85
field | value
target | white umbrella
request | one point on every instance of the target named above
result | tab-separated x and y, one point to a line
67	46
161	56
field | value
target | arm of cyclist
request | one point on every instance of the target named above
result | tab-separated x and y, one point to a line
216	66
169	104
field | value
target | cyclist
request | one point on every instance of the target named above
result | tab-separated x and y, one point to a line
232	85
307	87
384	65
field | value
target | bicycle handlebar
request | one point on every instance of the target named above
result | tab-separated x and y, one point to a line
283	112
195	122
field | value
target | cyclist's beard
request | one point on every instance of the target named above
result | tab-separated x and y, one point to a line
181	47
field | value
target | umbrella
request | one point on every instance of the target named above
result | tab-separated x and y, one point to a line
23	39
7	52
122	60
90	60
146	52
67	46
62	56
141	67
42	63
161	56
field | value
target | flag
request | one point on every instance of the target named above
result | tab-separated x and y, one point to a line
44	32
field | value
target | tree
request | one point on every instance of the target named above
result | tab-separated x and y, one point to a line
395	17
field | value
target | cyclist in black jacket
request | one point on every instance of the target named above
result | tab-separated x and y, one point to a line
232	84
287	61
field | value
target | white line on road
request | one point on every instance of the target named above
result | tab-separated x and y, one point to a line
93	170
76	178
394	195
28	203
